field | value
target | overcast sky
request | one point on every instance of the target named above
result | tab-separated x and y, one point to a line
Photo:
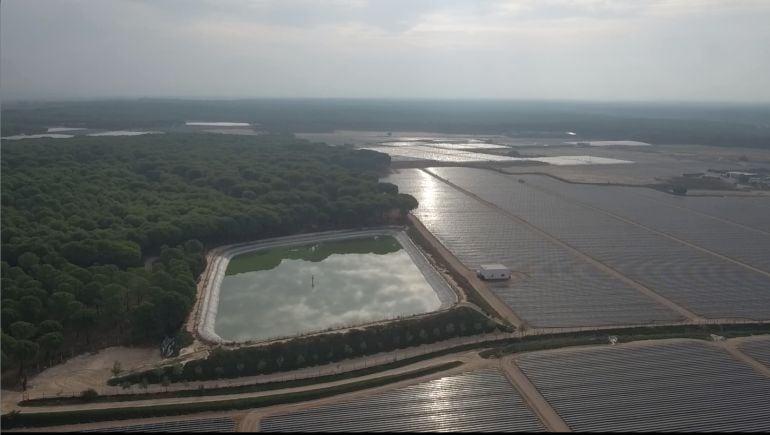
697	50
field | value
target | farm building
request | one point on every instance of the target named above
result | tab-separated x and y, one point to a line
493	271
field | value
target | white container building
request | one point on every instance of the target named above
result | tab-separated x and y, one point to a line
493	271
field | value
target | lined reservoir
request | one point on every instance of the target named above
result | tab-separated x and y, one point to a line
281	291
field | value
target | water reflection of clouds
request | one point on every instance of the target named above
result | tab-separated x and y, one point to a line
300	296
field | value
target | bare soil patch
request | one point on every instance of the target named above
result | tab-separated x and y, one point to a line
83	372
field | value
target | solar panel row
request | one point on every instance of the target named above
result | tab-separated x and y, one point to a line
475	401
219	424
701	282
551	287
664	387
758	349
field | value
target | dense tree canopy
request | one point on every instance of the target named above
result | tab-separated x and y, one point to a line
80	217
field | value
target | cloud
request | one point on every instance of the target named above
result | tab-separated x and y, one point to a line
586	49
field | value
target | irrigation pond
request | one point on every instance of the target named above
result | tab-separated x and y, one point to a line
312	285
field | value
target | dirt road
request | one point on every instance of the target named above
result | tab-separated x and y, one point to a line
532	397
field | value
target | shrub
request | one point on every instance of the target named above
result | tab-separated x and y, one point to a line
88	395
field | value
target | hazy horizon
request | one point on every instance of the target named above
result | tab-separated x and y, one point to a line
669	51
215	98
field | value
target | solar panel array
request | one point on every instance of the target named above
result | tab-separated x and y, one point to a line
480	401
219	424
758	349
701	282
640	205
469	145
750	211
422	152
685	386
551	286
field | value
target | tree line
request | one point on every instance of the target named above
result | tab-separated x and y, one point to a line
733	125
322	349
80	217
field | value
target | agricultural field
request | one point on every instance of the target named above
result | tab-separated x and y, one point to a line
672	386
704	283
482	400
551	287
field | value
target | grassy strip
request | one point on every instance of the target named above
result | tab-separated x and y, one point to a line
624	335
15	420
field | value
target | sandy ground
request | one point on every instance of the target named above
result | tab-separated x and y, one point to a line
82	372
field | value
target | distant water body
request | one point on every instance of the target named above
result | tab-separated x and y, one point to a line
63	129
38	136
124	133
218	124
53	133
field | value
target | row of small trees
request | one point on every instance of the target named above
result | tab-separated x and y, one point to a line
324	348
